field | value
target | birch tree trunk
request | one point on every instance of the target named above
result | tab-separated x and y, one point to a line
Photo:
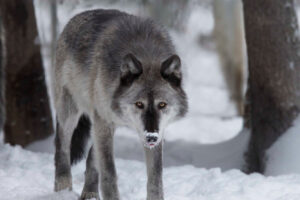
230	39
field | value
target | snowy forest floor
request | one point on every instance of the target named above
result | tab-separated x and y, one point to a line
26	175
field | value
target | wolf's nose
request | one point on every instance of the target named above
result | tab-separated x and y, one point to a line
151	139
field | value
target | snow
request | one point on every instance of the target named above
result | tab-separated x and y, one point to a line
27	175
226	155
149	134
283	156
292	65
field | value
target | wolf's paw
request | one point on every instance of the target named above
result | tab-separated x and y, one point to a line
89	195
62	183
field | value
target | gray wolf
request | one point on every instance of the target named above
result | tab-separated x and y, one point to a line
113	69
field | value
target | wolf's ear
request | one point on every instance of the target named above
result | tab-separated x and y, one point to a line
131	66
171	70
131	69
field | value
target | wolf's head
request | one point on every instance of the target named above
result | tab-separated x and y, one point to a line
150	96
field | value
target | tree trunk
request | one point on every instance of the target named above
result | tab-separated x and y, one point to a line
272	39
2	99
28	115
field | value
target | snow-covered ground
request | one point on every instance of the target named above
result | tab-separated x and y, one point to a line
283	155
26	175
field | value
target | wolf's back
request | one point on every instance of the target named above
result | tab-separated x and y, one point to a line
81	32
113	34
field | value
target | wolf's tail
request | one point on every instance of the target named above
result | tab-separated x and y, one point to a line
79	139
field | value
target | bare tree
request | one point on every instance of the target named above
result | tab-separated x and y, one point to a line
272	38
28	115
2	99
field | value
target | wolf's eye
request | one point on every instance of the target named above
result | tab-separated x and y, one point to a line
139	104
162	105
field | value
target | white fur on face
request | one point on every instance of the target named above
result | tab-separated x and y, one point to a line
166	119
132	117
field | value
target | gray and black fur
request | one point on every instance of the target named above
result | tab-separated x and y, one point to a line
113	69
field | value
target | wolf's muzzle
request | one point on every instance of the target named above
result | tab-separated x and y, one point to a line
151	139
151	120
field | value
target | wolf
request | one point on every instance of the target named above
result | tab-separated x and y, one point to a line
113	69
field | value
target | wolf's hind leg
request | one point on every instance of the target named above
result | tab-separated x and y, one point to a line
63	177
90	189
154	171
67	119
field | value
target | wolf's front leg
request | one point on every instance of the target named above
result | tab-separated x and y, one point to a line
104	151
90	189
154	171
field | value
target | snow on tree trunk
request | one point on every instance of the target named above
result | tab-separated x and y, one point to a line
272	39
28	115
